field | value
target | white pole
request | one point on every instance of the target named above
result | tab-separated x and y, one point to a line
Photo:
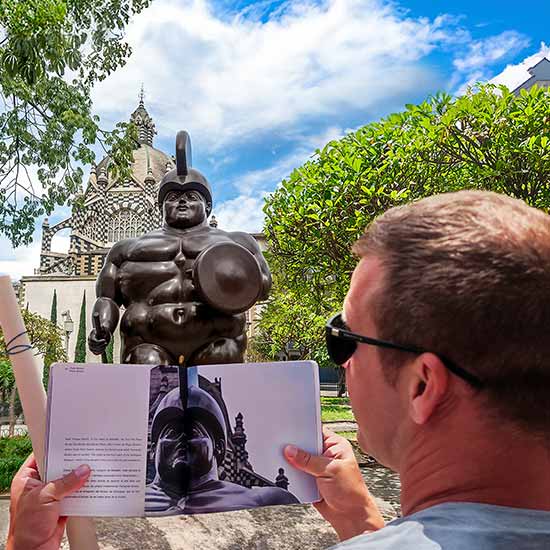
28	378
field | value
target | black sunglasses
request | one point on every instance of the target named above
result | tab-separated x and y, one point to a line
342	343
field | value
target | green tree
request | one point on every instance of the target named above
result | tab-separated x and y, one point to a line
52	52
487	139
45	337
80	349
109	350
53	311
51	353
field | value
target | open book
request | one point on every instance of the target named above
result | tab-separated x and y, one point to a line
167	440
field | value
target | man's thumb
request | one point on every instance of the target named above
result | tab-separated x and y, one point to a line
69	483
311	464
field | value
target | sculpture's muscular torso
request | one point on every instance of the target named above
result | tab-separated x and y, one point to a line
166	320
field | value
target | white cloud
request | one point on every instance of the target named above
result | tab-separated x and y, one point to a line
475	64
471	80
243	213
61	241
514	75
226	79
482	53
19	261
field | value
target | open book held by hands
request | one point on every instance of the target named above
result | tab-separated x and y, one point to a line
166	440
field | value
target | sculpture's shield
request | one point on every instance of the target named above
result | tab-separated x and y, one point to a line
228	277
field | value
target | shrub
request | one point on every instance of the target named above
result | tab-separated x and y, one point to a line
13	452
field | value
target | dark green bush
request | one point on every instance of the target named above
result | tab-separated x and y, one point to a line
13	452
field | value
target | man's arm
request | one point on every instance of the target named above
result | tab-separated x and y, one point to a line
345	500
249	242
105	313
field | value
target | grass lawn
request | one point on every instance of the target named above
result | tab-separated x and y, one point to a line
335	408
334	400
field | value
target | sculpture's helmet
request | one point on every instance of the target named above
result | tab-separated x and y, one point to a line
183	177
201	407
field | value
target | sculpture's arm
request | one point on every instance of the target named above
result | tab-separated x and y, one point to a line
249	242
105	313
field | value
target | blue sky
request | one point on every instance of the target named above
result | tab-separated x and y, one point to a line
261	85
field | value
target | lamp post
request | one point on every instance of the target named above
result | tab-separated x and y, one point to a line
293	352
68	325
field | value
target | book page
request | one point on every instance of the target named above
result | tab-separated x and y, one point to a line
269	405
98	416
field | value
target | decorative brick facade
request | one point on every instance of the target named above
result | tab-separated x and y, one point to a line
112	209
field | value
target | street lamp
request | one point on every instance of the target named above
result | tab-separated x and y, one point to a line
68	325
293	352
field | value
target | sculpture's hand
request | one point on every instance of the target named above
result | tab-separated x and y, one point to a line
96	344
345	500
99	337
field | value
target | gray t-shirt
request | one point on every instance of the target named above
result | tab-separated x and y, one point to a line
460	526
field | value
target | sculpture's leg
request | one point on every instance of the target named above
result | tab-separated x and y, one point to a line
149	354
222	350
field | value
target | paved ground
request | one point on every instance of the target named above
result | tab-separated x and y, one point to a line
341	426
4	518
270	528
329	390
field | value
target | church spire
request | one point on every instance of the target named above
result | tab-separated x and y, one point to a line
145	125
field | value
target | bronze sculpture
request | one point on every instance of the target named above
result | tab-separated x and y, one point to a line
184	286
189	445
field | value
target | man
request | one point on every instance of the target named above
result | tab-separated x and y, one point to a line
453	294
185	286
189	446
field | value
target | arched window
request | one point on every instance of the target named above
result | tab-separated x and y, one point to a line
124	224
89	228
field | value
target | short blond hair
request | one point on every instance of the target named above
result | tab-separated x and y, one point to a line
467	275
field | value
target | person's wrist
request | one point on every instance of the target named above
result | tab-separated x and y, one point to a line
359	524
363	518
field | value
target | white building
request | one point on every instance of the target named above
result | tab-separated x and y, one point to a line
540	75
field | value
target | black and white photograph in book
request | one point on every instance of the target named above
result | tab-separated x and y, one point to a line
163	380
198	460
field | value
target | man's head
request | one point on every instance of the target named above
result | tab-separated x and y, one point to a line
465	276
188	443
183	209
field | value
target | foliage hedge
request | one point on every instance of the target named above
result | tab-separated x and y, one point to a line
13	452
487	139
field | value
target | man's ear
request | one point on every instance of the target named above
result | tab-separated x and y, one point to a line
427	386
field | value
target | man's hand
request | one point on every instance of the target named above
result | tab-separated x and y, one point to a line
345	500
34	508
